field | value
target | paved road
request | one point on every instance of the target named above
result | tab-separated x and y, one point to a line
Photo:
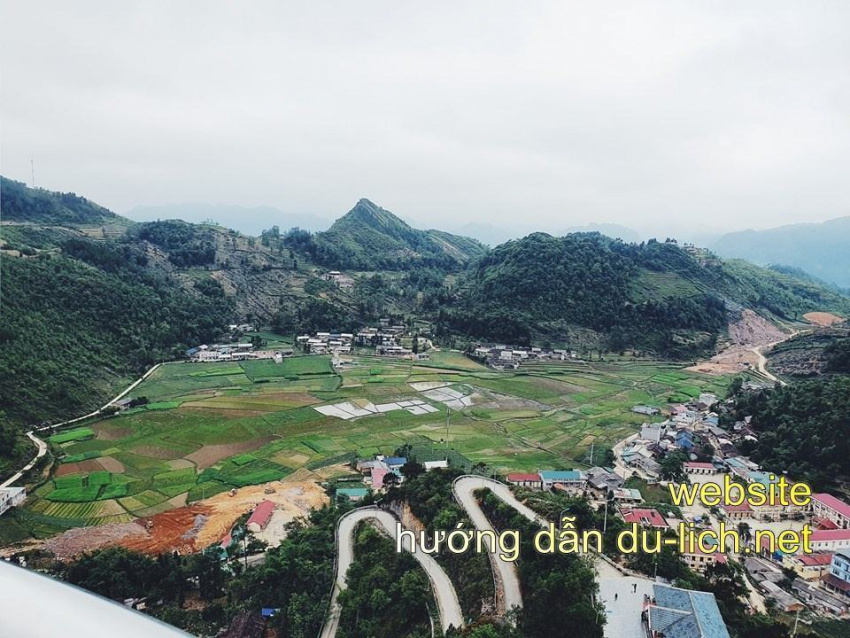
42	446
444	592
464	489
42	450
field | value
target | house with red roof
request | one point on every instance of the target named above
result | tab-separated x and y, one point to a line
830	540
645	517
828	508
809	566
736	512
261	516
532	481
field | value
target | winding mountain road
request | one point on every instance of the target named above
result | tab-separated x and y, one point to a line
444	591
464	488
504	572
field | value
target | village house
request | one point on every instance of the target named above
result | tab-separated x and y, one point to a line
700	468
628	495
830	540
809	567
699	561
682	613
645	409
837	580
562	479
645	517
736	512
531	481
260	517
601	481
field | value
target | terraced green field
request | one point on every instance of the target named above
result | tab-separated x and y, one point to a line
211	427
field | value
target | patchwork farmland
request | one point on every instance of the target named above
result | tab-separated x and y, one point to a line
208	428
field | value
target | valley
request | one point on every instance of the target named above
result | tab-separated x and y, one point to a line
209	428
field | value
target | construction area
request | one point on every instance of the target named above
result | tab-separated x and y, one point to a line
197	526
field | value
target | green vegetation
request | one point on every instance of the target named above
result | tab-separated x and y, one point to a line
652	296
77	434
58	345
23	204
371	238
388	594
803	429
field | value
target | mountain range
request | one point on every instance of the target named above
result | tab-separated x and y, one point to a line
90	298
822	249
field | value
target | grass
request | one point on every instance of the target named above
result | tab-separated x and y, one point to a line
77	434
544	415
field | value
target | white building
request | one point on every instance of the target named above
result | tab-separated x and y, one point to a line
11	497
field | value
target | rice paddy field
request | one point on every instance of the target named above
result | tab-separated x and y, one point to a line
211	427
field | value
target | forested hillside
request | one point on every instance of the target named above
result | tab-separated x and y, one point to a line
71	329
371	238
819	249
23	204
93	297
652	295
803	429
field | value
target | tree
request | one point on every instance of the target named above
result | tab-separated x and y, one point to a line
672	467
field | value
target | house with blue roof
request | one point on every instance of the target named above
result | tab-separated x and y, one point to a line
562	479
681	613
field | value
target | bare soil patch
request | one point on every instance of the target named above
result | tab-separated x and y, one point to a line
76	468
295	498
211	454
86	539
170	531
750	330
822	318
111	465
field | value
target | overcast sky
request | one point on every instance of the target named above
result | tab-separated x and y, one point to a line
684	115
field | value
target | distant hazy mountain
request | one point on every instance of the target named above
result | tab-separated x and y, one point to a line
823	250
614	231
250	221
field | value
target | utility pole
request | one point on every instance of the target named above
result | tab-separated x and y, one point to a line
32	169
592	444
448	412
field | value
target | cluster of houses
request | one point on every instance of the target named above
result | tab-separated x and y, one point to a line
823	577
501	357
690	428
234	352
326	343
382	471
386	341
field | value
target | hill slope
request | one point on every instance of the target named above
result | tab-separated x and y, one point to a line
654	295
371	238
23	204
819	249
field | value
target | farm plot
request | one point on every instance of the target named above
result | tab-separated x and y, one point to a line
352	409
218	429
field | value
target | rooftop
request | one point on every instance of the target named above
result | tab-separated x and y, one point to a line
645	516
682	613
262	513
830	501
560	475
